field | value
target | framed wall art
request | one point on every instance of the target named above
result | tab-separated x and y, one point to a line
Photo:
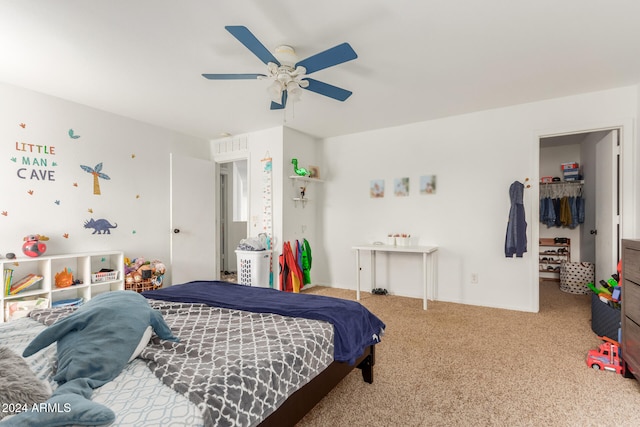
428	184
376	188
401	187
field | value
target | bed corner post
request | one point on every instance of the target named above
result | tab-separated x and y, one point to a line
366	366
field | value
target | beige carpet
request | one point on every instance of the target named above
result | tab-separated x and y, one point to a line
460	365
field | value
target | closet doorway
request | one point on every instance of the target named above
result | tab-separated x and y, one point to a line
232	214
597	239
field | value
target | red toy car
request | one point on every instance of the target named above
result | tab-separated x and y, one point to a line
607	357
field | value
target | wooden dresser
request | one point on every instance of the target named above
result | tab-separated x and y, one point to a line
631	305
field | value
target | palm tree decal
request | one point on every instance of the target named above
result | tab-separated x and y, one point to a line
96	172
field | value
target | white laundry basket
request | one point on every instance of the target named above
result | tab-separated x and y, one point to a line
253	268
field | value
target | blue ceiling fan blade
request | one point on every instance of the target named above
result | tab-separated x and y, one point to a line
328	90
247	38
276	106
232	76
328	58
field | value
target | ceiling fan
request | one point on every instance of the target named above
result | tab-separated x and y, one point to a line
288	75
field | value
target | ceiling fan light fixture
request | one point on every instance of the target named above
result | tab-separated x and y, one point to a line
286	74
284	78
275	91
294	91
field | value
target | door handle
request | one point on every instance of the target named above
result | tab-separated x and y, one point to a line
593	232
176	230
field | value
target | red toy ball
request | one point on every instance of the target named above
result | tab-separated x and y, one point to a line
33	247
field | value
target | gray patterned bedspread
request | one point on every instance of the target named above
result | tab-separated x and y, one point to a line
236	366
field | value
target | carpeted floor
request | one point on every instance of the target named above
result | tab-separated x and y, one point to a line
460	365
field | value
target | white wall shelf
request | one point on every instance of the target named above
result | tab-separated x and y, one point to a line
300	200
297	179
82	265
305	178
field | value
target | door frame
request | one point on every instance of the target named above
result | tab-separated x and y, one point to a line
627	187
224	220
218	159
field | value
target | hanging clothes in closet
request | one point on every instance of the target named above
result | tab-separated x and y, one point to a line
561	204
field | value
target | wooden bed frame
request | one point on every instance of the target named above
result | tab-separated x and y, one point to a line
302	401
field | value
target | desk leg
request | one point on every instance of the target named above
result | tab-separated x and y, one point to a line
433	275
373	271
358	274
425	279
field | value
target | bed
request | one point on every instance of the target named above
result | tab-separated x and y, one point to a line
247	356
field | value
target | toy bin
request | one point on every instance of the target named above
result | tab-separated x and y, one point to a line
605	320
253	268
574	277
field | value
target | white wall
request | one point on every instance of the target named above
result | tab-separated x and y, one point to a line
300	221
476	157
134	155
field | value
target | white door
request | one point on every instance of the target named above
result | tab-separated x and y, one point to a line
606	206
193	236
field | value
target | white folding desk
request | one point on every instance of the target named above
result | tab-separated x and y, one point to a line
429	263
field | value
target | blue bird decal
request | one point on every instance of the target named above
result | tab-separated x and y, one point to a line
72	135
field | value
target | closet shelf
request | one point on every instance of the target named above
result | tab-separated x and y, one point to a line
563	183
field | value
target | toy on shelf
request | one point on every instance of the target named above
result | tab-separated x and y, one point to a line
607	357
64	279
33	245
299	171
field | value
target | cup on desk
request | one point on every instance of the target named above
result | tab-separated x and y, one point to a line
403	241
391	240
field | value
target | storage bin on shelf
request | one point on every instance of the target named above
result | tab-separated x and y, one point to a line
253	267
151	284
142	275
104	276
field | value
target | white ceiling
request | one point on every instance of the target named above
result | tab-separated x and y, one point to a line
417	60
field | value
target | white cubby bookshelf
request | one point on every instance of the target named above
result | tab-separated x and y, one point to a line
82	265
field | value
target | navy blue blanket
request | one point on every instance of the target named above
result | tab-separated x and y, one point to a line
355	327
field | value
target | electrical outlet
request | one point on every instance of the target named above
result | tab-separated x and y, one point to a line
474	278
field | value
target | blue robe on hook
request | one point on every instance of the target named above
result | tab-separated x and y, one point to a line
516	239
